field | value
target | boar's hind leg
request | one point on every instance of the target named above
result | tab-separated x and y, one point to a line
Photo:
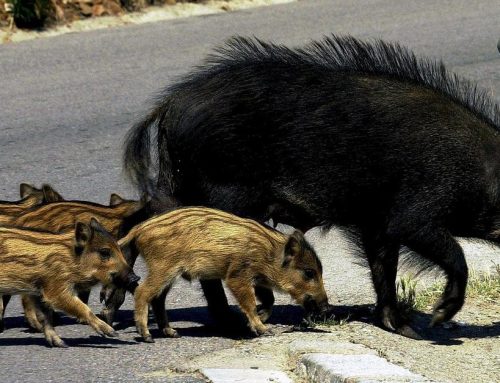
4	300
158	305
266	298
44	316
382	255
438	245
31	313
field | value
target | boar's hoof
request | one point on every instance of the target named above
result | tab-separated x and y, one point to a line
438	317
408	332
264	313
107	316
104	329
55	341
1	326
169	332
148	339
259	329
445	309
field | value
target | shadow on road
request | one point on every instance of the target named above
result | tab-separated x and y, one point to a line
447	334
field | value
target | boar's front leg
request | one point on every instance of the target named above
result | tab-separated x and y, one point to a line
44	317
62	299
382	254
243	291
266	298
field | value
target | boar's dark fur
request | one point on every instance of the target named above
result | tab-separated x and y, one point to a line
340	132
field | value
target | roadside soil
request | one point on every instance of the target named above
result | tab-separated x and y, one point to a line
467	350
120	18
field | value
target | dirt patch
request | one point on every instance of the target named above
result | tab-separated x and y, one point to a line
83	15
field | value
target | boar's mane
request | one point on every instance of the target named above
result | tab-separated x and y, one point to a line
348	54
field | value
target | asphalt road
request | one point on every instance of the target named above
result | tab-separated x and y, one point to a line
66	103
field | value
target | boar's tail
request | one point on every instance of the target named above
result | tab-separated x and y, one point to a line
128	238
137	157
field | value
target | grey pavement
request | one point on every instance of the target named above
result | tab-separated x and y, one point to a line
66	103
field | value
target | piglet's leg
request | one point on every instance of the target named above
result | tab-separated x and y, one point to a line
266	297
44	317
71	305
30	313
243	291
158	305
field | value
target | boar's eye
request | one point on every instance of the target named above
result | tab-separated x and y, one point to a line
309	274
105	254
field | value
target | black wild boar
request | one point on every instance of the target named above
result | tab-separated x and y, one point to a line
363	135
197	242
47	266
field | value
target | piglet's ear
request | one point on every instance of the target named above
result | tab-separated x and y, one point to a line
26	189
293	247
50	195
83	234
115	199
96	225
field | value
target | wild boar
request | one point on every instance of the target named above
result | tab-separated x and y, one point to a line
202	243
47	266
62	216
358	134
30	198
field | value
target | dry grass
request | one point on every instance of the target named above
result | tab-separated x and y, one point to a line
483	288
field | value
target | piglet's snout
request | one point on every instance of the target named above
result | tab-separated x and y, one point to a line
314	307
127	279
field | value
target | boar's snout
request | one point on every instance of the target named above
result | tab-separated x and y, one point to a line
313	306
127	279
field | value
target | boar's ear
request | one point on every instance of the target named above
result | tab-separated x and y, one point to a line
95	225
26	189
115	199
50	195
293	247
83	234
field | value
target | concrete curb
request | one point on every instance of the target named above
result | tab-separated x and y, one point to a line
333	368
245	375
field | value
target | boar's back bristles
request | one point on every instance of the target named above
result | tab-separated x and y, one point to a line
187	223
350	55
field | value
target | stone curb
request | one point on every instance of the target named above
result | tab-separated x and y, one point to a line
245	375
333	368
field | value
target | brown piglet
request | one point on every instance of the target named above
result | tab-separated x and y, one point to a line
62	216
45	267
203	243
9	210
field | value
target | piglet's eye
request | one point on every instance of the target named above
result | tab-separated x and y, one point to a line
105	253
309	274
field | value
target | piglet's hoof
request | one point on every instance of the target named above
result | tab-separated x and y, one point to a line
148	339
169	332
259	329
